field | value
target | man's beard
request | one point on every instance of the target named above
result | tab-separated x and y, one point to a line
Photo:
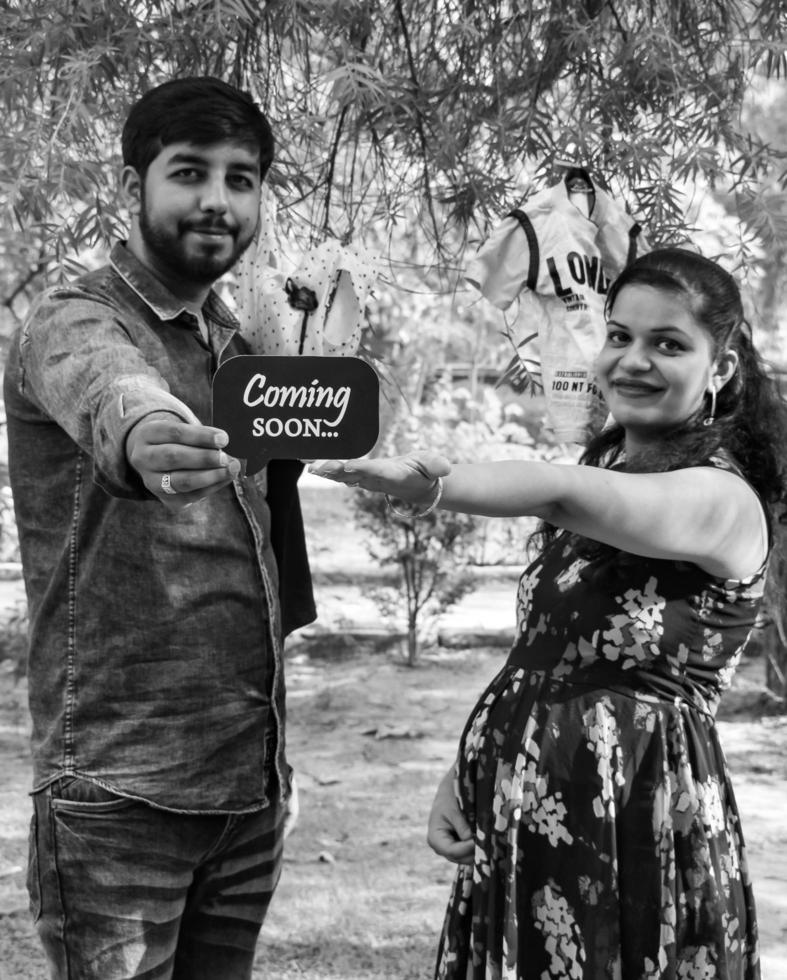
170	250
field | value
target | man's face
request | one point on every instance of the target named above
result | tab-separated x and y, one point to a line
198	210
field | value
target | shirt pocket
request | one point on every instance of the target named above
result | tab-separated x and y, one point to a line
85	798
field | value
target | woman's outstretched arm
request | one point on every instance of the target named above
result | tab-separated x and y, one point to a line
704	515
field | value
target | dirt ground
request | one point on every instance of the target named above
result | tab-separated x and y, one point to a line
361	896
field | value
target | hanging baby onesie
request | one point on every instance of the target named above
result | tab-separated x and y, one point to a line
558	259
313	307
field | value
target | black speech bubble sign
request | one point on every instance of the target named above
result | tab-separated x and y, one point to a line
296	407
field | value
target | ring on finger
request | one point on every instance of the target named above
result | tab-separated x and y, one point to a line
166	483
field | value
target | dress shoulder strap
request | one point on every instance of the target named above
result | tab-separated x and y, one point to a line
722	460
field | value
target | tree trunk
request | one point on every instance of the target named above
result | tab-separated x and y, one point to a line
412	645
775	653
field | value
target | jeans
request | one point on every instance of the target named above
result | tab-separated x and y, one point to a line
119	889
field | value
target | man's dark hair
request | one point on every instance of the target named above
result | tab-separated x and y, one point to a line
200	110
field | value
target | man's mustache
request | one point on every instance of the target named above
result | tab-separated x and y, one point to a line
208	226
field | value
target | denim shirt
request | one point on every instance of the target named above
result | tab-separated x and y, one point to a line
155	664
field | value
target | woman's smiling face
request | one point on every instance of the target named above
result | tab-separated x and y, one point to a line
657	362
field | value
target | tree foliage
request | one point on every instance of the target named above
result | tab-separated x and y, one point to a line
429	112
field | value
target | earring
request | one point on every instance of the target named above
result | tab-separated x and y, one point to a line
712	414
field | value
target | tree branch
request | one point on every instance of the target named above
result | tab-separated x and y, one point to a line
419	122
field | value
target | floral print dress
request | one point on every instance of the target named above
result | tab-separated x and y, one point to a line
607	840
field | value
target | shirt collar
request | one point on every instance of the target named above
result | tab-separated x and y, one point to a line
156	295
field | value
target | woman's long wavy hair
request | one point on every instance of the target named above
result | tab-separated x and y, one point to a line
750	424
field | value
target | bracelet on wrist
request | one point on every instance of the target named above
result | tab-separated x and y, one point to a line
438	487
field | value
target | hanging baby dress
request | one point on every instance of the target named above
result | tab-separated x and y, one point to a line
558	259
312	306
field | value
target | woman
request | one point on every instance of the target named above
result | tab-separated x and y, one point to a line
590	810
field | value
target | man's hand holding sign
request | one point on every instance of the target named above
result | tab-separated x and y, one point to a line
180	462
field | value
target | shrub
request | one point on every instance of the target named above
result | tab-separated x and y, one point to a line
431	554
435	553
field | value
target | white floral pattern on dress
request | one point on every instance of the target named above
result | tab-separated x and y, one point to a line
607	843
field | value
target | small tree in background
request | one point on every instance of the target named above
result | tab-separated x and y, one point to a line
435	554
431	554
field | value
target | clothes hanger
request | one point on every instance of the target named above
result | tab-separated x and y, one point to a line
579	186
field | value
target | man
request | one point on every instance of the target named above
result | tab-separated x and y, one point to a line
155	669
